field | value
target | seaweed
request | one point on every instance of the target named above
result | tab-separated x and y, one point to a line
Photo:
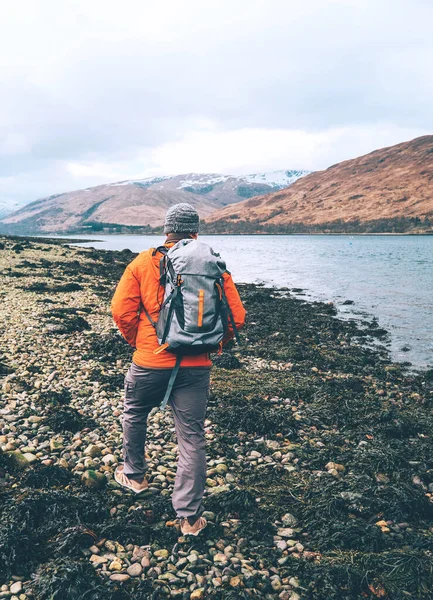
108	347
30	519
63	321
236	503
54	398
41	476
68	418
255	416
66	579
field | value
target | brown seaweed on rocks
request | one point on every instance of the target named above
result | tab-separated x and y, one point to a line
68	418
327	489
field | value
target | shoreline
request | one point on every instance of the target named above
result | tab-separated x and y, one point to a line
319	478
54	236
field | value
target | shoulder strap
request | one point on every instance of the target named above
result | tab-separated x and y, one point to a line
229	312
171	382
153	251
161	249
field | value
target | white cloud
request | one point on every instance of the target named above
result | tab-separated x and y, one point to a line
245	151
106	90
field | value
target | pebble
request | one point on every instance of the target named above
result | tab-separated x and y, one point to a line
93	451
119	577
16	587
135	570
289	520
116	565
286	532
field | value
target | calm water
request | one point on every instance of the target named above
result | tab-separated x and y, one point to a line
390	277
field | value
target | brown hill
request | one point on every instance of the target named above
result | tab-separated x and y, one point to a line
390	189
138	205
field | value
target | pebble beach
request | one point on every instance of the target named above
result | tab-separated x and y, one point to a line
320	456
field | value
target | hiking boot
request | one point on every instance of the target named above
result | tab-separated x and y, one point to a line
195	529
130	484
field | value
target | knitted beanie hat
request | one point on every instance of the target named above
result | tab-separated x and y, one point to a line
181	218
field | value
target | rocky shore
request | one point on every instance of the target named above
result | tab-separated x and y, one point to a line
320	455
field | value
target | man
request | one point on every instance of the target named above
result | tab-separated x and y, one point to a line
148	376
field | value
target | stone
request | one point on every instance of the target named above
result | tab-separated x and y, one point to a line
162	553
235	581
221	469
35	419
276	584
116	565
119	577
289	520
93	451
16	587
98	560
109	459
210	516
135	570
30	457
17	460
93	479
56	445
192	558
272	444
197	594
285	532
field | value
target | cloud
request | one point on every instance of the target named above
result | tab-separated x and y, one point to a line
98	91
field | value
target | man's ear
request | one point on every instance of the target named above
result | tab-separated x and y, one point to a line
194	236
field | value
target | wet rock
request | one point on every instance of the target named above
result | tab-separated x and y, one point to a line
93	479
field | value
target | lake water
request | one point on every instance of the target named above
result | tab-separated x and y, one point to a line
389	277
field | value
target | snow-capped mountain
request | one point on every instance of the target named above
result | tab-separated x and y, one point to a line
273	179
7	207
140	203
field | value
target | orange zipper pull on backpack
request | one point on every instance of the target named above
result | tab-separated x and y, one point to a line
160	349
200	308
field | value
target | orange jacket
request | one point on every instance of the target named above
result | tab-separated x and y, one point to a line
138	285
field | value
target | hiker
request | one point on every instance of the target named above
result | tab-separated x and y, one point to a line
140	304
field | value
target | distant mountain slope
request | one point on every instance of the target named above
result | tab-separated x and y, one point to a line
390	189
139	203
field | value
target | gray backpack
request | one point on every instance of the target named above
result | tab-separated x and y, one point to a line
195	313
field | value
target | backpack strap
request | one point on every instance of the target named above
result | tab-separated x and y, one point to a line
171	382
229	312
163	250
151	321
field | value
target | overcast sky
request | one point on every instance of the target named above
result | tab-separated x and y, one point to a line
93	91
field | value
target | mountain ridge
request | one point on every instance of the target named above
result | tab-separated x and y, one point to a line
139	203
389	189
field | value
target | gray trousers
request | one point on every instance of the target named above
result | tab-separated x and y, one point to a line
145	389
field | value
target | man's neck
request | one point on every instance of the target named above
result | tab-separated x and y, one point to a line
176	237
